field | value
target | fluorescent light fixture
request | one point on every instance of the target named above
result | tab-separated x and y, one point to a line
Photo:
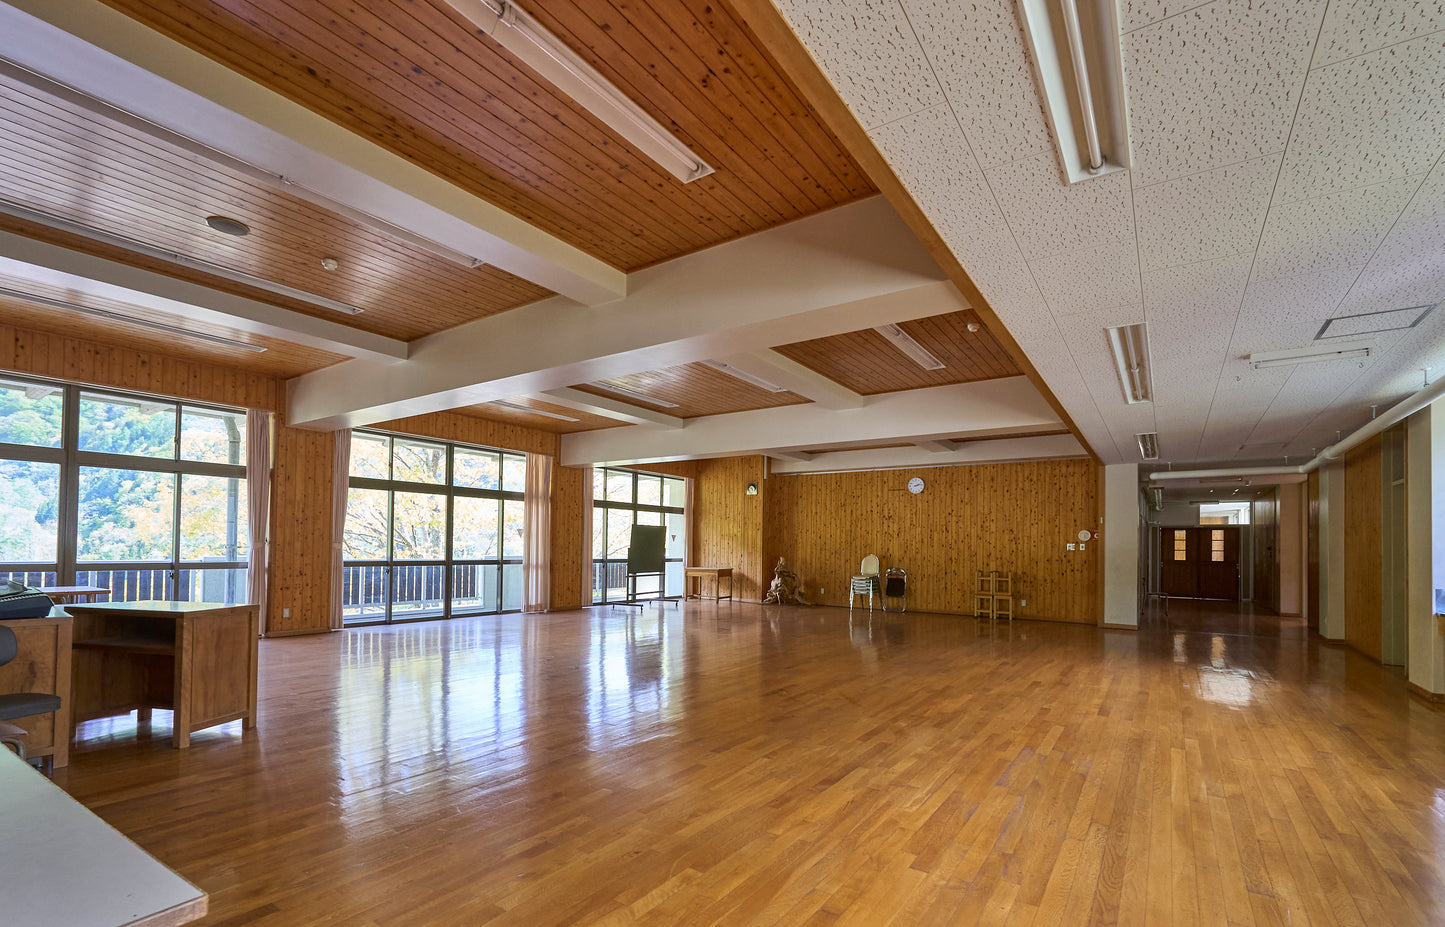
140	247
531	411
634	394
1148	445
905	343
127	320
746	377
1080	73
546	54
1309	355
1130	347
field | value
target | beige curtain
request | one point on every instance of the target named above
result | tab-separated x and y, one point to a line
587	579
340	478
689	557
258	505
537	535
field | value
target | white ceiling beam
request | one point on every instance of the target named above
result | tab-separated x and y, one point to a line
795	378
116	60
1039	447
838	271
610	408
791	455
53	266
936	447
933	413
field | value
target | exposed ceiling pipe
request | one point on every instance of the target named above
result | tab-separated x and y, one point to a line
1395	414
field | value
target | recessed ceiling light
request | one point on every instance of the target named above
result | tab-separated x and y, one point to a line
743	375
1130	346
228	226
905	343
531	411
1309	355
128	320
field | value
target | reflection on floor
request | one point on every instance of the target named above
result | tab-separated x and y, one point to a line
1210	616
734	764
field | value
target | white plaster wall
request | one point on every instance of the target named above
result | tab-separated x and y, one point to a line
1121	544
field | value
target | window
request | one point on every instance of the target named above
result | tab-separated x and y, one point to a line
146	497
432	530
1181	544
620	499
1216	545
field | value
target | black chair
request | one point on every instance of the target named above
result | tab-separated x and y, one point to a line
19	704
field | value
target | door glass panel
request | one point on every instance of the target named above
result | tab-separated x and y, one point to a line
419	527
125	515
29	523
474	534
649	490
367	524
619	486
213	519
417	591
30	414
213	436
1181	545
619	533
512	510
224	587
1216	545
135	427
363	592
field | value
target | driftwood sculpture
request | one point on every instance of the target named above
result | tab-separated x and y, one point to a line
784	589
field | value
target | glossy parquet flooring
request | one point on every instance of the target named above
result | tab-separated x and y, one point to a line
737	765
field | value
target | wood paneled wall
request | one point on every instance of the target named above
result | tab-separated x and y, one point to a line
728	523
571	495
46	354
1012	517
469	429
1363	553
1264	525
300	532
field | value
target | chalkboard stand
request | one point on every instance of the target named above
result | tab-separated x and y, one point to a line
647	556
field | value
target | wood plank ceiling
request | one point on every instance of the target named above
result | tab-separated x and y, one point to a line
417	79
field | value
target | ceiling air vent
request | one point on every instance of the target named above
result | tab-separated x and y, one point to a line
1148	445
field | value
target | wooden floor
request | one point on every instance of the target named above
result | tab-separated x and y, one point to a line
735	765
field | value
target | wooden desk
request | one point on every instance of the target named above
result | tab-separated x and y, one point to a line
195	658
63	594
718	574
42	664
64	865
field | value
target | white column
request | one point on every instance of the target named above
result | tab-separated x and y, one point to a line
1425	546
1120	536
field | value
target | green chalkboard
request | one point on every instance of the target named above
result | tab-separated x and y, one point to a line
648	551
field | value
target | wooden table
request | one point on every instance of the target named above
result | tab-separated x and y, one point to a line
718	574
195	658
64	865
63	594
42	664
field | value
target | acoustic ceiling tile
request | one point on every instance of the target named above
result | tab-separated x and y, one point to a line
1216	85
1312	250
870	55
1089	279
1135	14
1206	293
1206	215
1048	216
930	156
976	47
1368	119
1408	269
1352	29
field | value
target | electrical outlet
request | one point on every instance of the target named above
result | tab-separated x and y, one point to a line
821	590
1023	603
285	613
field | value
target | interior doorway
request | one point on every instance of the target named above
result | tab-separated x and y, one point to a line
1200	563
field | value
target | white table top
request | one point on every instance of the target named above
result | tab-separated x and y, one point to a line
64	865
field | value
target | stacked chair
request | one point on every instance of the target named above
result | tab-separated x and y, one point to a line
993	595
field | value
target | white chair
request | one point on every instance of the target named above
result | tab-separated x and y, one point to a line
866	582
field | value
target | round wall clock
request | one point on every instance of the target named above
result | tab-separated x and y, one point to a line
915	485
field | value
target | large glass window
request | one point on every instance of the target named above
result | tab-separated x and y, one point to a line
140	495
621	499
432	530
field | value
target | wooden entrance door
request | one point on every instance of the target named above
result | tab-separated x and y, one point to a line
1200	563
